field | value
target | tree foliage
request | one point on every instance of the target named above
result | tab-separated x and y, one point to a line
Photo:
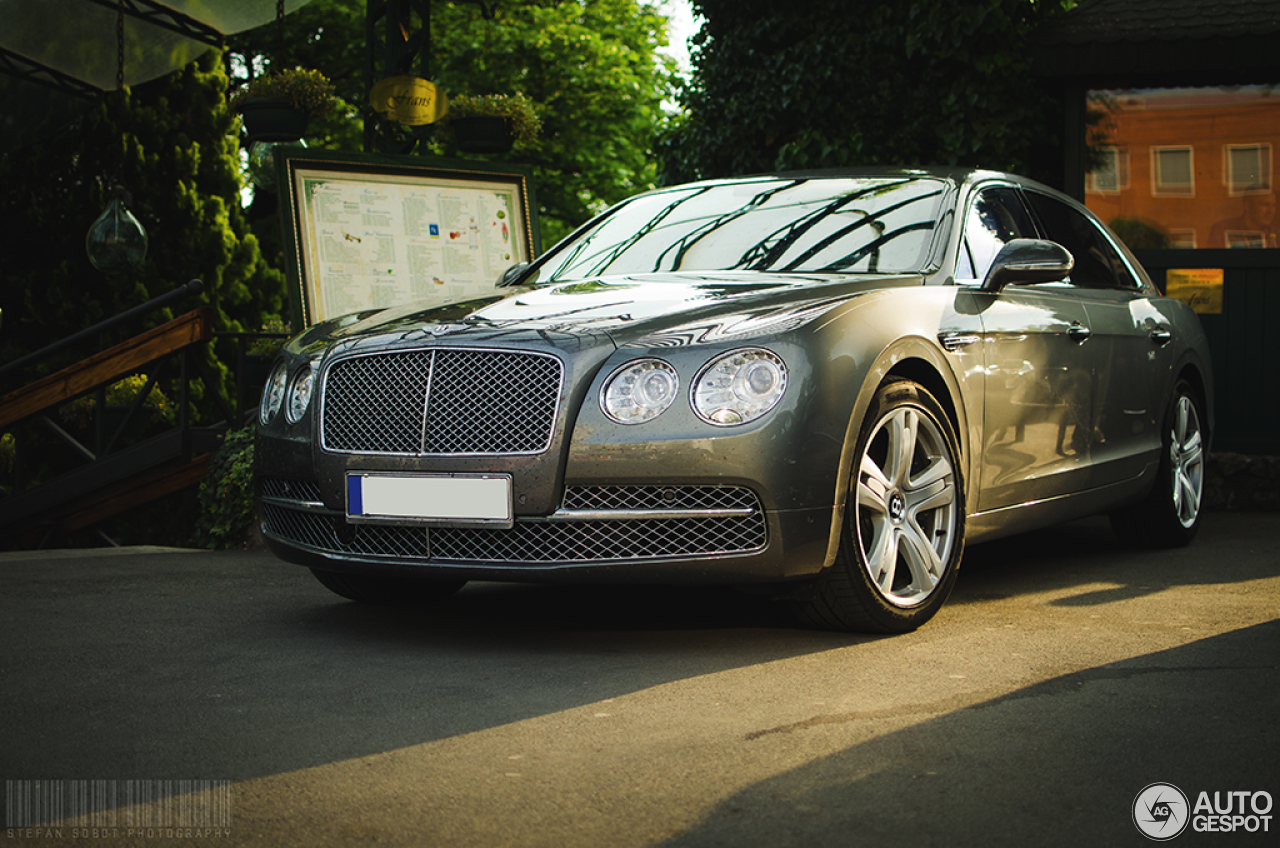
170	143
591	68
832	83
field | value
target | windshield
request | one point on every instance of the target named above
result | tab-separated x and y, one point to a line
811	224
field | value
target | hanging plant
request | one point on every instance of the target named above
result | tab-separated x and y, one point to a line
491	123
278	106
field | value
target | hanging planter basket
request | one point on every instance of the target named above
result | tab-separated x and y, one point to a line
483	134
272	119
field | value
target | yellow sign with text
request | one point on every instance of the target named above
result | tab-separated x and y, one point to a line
409	100
1201	288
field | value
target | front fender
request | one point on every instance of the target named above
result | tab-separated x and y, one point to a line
903	342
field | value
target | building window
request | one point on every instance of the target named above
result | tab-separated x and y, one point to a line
1182	238
1112	174
1248	168
1173	169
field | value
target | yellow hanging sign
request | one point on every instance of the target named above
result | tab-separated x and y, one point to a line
1201	288
409	100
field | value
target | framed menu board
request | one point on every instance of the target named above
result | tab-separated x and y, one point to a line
367	231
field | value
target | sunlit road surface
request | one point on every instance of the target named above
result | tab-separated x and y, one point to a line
1066	674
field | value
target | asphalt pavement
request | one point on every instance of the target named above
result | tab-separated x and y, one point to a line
1066	675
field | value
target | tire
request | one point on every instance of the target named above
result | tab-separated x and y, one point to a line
903	532
1169	517
387	591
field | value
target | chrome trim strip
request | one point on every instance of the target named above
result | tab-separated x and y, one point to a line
301	506
642	514
558	515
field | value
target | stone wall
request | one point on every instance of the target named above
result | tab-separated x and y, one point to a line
1238	481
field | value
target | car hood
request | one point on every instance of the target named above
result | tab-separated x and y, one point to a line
630	311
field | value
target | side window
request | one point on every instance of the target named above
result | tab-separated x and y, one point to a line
1098	265
995	218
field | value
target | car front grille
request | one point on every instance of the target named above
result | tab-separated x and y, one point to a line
295	490
695	521
457	402
591	498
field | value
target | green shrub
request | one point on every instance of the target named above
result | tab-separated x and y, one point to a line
1140	234
79	412
226	494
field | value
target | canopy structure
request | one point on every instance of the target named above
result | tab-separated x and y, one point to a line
1157	43
56	55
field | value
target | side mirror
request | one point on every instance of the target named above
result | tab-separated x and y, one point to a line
512	274
1024	262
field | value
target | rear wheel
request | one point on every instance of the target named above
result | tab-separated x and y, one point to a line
1170	515
904	525
387	591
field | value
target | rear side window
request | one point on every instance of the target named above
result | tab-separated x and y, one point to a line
1098	264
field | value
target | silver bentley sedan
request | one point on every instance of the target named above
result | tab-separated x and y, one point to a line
822	385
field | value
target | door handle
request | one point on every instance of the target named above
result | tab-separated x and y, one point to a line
1079	332
1161	336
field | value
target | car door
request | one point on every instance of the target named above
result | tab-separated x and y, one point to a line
1129	340
1036	433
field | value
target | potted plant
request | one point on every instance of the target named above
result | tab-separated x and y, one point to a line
491	123
277	106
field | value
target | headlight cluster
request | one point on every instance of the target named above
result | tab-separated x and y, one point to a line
292	394
732	389
640	391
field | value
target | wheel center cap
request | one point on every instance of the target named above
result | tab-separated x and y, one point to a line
897	507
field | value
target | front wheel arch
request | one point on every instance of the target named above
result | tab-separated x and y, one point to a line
902	532
920	363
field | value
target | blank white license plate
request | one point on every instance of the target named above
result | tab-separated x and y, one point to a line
458	499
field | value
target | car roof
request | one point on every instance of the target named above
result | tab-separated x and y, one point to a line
955	175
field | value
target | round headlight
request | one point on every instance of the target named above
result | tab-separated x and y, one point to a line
639	391
739	387
300	394
272	393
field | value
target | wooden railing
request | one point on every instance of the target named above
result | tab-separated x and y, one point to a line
107	366
105	480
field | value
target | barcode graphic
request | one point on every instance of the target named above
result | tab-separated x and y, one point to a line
200	804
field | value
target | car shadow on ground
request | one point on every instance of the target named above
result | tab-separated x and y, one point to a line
1055	763
238	665
1084	553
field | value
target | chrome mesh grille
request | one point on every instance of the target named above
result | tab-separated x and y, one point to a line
320	530
600	540
597	540
659	497
454	401
375	403
294	490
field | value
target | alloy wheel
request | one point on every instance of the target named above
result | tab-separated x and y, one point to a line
1187	460
906	510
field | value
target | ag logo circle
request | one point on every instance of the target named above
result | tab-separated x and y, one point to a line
1161	811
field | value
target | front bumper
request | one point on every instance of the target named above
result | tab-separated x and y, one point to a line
687	534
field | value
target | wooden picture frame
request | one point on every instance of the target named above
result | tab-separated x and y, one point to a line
368	231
